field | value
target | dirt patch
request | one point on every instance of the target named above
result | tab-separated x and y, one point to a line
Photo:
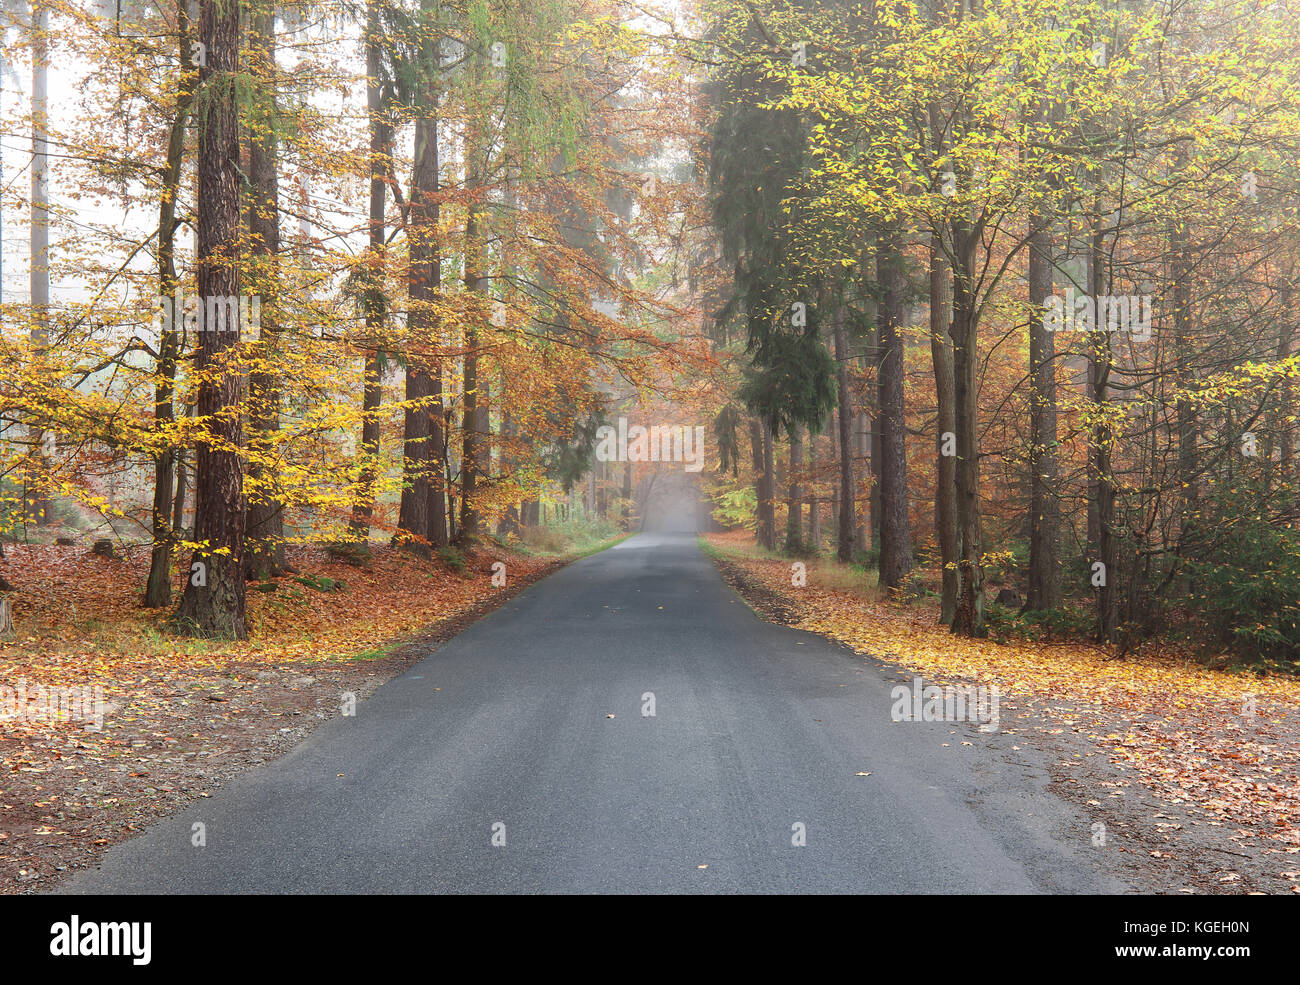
770	604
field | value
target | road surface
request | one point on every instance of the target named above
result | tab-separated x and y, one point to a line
528	729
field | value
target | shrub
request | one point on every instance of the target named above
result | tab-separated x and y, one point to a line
1245	575
736	508
321	583
543	540
1059	624
453	559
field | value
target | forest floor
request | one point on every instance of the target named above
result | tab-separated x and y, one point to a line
1194	772
180	716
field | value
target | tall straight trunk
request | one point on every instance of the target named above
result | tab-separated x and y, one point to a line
844	534
264	550
469	459
968	620
814	504
158	588
426	287
477	151
372	393
1101	439
483	431
423	509
945	495
1044	588
769	489
866	469
794	496
182	485
756	463
1185	409
417	462
895	534
483	442
509	522
835	486
39	275
213	604
1091	478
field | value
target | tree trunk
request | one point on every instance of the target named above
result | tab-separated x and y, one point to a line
814	504
1180	268
182	484
1044	588
969	617
1101	357
866	469
418	464
794	497
756	463
373	302
477	149
264	550
39	278
213	602
945	496
895	560
844	535
423	509
158	588
769	490
509	522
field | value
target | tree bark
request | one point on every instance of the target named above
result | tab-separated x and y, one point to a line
769	490
214	605
423	508
866	469
945	496
814	504
794	496
756	463
477	149
1044	588
969	617
895	560
39	274
158	587
844	535
372	394
264	550
1101	357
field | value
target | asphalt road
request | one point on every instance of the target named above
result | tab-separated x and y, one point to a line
530	725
